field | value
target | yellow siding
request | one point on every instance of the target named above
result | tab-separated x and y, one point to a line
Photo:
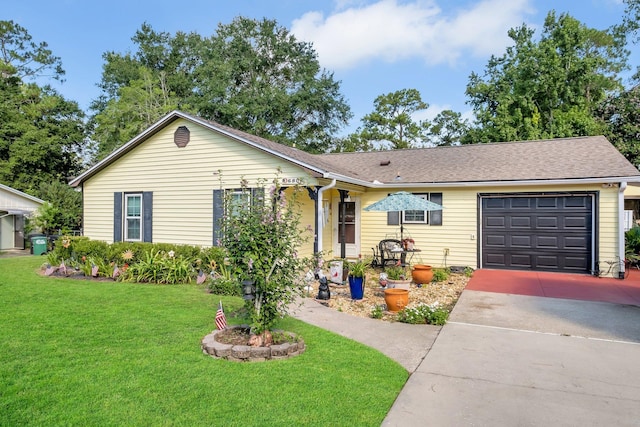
632	191
459	232
182	181
307	223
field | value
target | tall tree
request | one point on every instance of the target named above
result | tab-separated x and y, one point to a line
251	75
20	56
621	115
392	124
65	210
547	88
42	135
447	128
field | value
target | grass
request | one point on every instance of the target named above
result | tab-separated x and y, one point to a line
76	352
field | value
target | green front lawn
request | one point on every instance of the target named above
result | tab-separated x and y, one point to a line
76	352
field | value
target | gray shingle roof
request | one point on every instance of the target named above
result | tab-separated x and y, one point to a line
555	159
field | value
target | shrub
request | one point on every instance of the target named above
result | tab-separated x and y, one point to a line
376	312
262	239
424	313
440	274
139	261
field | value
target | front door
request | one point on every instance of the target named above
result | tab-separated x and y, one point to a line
350	216
19	231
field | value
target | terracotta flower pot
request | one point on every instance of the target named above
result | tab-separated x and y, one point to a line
398	284
396	299
422	274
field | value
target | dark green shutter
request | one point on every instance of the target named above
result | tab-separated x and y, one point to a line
147	216
435	217
393	218
218	213
117	217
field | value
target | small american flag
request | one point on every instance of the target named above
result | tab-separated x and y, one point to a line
62	268
201	278
116	271
94	270
221	320
49	270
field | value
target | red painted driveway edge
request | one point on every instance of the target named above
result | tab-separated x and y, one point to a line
558	285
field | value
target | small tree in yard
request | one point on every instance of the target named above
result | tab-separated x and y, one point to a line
261	233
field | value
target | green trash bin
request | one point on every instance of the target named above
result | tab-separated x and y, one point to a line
39	245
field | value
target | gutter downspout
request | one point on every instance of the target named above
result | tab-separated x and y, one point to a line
319	214
621	246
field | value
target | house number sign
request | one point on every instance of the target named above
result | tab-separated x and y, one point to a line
289	181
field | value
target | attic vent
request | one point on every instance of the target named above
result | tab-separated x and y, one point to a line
385	162
181	136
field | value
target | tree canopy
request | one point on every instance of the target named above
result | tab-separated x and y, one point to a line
251	75
392	123
547	88
42	135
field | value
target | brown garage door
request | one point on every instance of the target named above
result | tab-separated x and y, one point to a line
550	233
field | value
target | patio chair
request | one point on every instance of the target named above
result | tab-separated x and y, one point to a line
386	254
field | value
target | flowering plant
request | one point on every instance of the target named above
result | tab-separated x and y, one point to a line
397	272
262	239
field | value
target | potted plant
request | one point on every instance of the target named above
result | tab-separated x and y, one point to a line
422	274
408	244
357	272
396	296
398	277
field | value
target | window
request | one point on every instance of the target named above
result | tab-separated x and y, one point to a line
416	216
425	217
133	218
239	202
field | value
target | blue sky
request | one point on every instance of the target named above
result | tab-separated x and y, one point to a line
372	46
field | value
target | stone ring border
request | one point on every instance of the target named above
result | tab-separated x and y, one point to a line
247	353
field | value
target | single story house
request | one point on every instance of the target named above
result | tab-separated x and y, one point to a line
554	205
14	206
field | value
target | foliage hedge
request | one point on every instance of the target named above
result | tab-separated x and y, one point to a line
145	262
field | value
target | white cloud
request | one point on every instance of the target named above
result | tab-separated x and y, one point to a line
389	31
430	113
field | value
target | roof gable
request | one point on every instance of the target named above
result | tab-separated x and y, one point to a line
12	198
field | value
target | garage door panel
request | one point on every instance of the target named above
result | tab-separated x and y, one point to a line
577	222
578	242
520	222
547	262
546	202
547	222
495	204
519	203
521	260
551	233
519	241
496	241
548	242
581	202
495	222
496	259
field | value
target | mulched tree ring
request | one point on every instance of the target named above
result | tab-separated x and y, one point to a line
232	344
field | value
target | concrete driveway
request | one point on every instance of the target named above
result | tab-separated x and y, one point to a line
519	360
